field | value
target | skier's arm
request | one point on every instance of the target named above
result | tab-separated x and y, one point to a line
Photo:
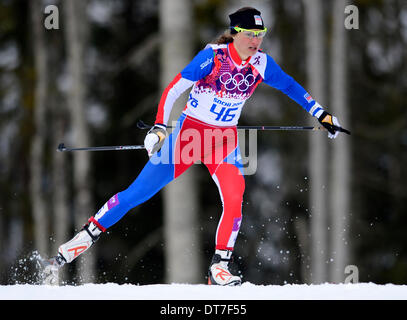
198	68
277	78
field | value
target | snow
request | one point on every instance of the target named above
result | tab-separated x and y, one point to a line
247	291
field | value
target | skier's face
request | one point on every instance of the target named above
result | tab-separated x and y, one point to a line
246	46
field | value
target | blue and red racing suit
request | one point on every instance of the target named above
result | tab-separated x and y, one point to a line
206	131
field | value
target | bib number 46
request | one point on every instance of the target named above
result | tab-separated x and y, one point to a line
222	113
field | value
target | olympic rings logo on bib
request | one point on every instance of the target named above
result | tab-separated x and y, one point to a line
239	81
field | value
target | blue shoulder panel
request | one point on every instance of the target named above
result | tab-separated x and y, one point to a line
277	78
200	66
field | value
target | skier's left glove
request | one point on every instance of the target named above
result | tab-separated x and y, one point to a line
330	123
155	139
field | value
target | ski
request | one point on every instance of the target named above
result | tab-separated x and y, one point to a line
49	270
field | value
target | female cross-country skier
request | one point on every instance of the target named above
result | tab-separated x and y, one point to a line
222	76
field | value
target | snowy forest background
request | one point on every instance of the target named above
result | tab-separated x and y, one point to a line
314	205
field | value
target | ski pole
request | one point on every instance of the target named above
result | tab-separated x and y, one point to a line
61	148
142	125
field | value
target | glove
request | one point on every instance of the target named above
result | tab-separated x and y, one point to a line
155	139
330	123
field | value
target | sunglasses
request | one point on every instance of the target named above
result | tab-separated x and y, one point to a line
251	33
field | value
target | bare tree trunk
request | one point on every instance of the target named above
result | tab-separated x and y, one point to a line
182	245
318	142
60	180
61	221
341	186
37	146
75	26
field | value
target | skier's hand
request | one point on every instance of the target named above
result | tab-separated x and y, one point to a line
330	123
155	139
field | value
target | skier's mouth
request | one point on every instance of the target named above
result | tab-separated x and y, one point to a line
253	48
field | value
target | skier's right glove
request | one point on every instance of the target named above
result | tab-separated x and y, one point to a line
330	123
155	139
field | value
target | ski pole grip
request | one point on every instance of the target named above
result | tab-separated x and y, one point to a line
61	147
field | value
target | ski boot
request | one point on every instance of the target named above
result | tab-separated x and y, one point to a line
219	273
70	250
88	235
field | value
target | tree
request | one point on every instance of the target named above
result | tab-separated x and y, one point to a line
60	164
340	187
182	245
37	171
75	26
318	146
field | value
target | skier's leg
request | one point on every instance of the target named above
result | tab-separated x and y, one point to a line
231	187
157	173
160	170
150	180
228	176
